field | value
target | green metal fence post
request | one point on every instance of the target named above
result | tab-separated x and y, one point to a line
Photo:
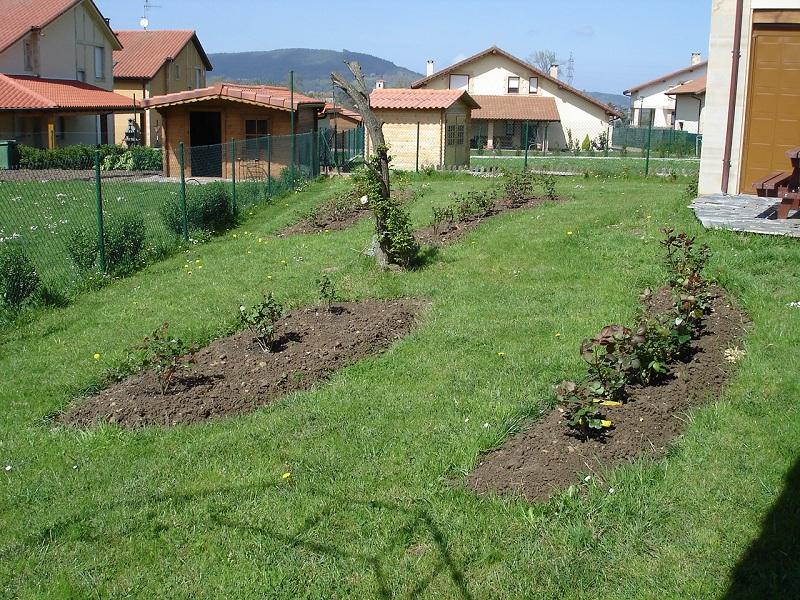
101	246
526	144
417	146
233	172
184	210
649	138
269	166
291	106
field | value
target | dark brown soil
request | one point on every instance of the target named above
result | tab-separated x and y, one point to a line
447	235
545	459
233	375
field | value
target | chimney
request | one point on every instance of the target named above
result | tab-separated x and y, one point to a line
554	71
430	69
380	84
696	60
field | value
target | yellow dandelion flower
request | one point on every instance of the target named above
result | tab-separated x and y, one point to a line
558	334
569	233
269	276
501	354
605	423
286	475
97	356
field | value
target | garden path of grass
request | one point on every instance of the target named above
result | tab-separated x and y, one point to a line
374	506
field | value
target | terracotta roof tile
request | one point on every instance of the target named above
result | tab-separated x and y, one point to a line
21	16
692	87
342	111
539	73
516	108
265	95
664	78
408	99
21	92
145	52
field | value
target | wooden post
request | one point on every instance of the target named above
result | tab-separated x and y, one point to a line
51	132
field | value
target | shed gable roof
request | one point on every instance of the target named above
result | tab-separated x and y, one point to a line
410	99
261	95
19	17
494	50
145	52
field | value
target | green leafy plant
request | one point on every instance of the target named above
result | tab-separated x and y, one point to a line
262	320
548	183
582	408
613	360
327	291
124	243
167	355
209	207
519	186
82	247
18	277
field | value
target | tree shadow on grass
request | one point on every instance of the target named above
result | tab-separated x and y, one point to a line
771	566
82	527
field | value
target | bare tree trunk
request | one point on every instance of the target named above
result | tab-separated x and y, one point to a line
359	94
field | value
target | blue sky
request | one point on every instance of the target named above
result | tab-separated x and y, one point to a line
616	43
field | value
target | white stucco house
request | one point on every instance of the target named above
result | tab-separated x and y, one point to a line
655	99
752	111
690	104
514	96
56	73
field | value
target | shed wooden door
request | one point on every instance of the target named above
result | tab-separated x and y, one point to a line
456	151
772	124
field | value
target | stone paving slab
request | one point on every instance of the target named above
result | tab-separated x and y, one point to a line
744	213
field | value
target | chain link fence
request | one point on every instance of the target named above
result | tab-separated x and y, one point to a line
81	217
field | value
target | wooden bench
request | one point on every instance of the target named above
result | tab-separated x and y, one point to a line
784	185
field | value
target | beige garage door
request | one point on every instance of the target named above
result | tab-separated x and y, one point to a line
772	123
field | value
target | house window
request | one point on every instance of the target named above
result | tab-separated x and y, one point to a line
198	77
513	85
459	82
177	71
28	55
510	128
646	116
534	85
99	62
253	130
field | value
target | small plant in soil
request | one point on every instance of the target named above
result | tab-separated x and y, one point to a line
327	291
262	319
612	359
582	407
519	186
548	183
167	355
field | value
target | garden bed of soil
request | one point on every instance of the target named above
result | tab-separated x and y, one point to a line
545	459
336	216
447	235
233	376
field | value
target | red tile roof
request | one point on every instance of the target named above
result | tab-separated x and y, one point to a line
664	78
407	99
516	108
342	111
145	52
263	95
499	51
22	92
690	88
21	16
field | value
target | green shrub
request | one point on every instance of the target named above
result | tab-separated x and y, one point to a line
75	157
145	158
82	247
209	207
587	144
124	243
18	276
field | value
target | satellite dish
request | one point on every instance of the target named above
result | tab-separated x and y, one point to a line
144	22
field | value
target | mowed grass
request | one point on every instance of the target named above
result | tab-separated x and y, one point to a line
375	505
594	165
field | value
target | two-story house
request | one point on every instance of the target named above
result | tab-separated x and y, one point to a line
517	100
154	63
56	73
655	100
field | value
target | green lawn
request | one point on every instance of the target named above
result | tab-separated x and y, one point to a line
596	165
375	506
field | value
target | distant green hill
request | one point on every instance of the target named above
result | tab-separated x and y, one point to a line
617	100
312	68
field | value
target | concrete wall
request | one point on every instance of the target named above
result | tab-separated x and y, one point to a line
489	75
655	97
719	79
689	112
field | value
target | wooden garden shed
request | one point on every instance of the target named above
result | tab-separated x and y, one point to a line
206	119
